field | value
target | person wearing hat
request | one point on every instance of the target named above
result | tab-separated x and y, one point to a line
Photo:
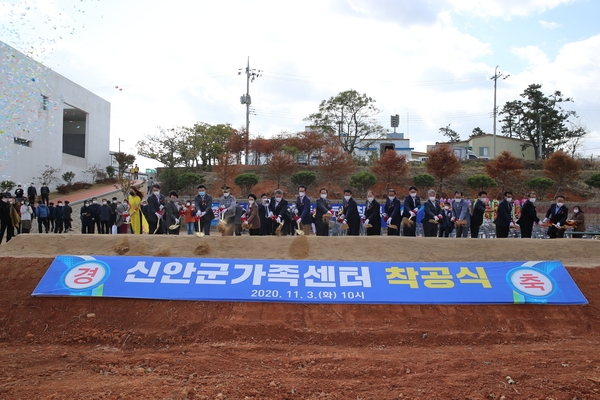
203	202
227	206
172	217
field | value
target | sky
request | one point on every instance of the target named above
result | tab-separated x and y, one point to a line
176	63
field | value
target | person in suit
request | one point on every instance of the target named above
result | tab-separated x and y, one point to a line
447	221
579	219
433	211
460	212
412	203
263	216
478	212
31	193
350	213
557	215
156	205
373	215
172	216
203	203
391	213
303	207
278	206
323	207
504	216
227	205
528	216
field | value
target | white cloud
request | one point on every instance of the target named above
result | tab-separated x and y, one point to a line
549	25
532	54
505	8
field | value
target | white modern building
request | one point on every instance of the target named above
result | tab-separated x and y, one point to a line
391	141
47	120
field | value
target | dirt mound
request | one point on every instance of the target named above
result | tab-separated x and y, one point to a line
106	348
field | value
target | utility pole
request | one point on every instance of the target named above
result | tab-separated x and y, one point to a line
495	78
540	139
251	75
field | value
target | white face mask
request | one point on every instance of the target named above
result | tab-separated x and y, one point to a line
431	198
226	194
323	195
156	193
94	201
483	199
413	195
250	201
347	198
559	204
301	194
446	208
575	211
103	203
532	200
509	199
370	199
278	199
391	198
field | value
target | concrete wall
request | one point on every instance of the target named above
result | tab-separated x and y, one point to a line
25	114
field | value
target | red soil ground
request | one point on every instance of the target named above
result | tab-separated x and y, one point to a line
101	348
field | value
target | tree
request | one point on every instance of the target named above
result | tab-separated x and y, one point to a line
363	180
335	165
7	185
478	132
540	185
246	181
575	138
237	144
303	178
540	120
49	175
280	165
262	148
226	168
594	181
110	171
203	143
423	181
164	147
124	161
68	177
562	168
481	182
390	167
452	135
442	163
348	118
505	169
187	182
97	172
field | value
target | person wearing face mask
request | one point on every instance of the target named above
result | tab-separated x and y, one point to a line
460	212
528	216
156	205
203	203
350	213
172	216
96	215
26	216
253	220
5	218
391	213
433	212
372	215
557	216
303	207
227	204
41	213
87	223
122	210
104	218
447	221
31	193
323	207
504	220
263	215
479	209
189	216
578	219
138	224
412	203
68	211
113	211
59	215
278	208
51	216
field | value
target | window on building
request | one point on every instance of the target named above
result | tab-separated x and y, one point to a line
22	142
484	152
74	131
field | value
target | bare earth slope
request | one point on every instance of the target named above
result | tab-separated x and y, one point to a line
100	348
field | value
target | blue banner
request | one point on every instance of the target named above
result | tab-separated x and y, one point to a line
323	281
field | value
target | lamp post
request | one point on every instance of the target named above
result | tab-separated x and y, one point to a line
251	75
120	140
495	78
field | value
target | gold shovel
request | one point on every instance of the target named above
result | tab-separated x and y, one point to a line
299	231
200	233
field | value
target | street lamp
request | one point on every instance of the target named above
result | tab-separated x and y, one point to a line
120	140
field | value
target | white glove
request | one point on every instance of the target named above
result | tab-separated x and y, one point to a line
545	220
184	208
384	215
557	224
436	218
161	207
412	214
278	220
512	224
157	215
343	216
202	214
177	221
366	221
345	221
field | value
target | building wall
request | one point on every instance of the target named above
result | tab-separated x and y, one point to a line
27	115
503	143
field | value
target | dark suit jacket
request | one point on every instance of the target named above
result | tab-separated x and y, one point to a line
280	210
205	205
504	215
303	207
478	211
392	209
528	215
431	210
352	216
373	214
322	207
410	204
153	207
560	216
